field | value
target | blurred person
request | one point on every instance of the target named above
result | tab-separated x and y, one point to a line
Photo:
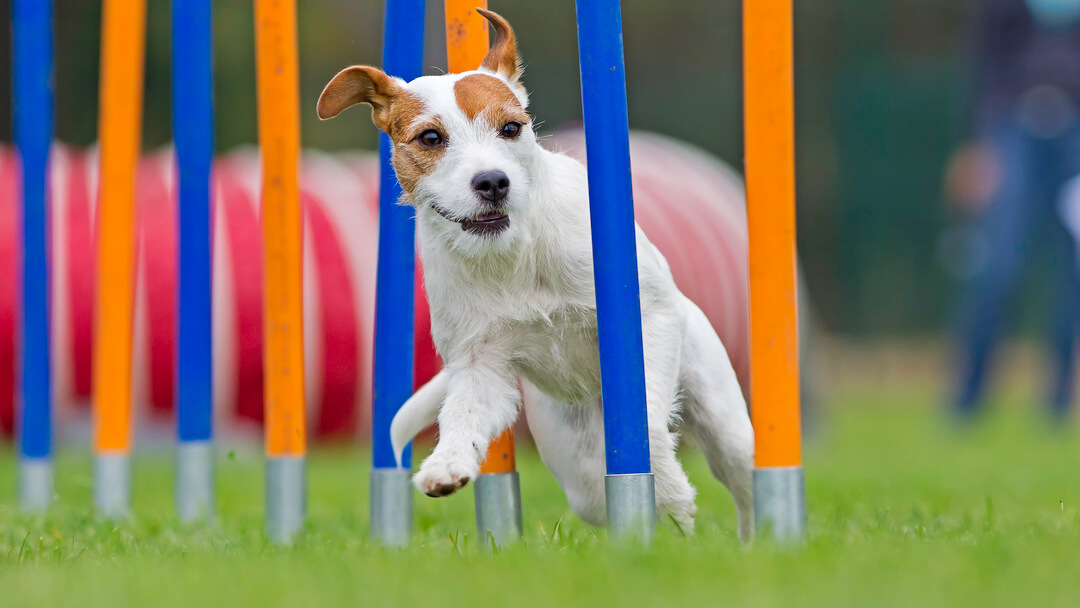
1010	184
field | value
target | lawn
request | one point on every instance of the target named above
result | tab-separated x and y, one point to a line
905	510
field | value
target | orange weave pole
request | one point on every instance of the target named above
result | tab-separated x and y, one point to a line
279	140
466	35
500	456
120	132
770	182
466	46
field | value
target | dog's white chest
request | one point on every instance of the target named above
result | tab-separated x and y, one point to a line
560	358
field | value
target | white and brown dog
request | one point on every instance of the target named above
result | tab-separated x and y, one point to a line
504	234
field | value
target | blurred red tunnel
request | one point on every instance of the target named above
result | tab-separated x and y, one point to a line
690	204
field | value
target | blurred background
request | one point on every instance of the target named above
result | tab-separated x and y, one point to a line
886	93
880	103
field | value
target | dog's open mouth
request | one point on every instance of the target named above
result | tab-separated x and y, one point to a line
492	222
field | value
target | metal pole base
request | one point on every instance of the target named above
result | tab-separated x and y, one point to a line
631	506
780	503
498	508
112	485
286	497
35	484
391	507
195	481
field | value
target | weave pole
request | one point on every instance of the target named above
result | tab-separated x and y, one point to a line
122	46
391	492
283	340
32	29
769	73
631	503
497	489
193	131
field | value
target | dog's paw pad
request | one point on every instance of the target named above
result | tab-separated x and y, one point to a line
436	479
445	489
435	487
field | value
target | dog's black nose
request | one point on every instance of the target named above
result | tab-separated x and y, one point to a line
492	186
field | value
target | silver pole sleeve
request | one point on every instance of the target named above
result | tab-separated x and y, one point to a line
391	507
780	503
286	497
498	508
631	506
195	481
35	484
112	485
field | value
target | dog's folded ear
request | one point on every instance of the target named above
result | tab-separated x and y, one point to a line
503	57
360	84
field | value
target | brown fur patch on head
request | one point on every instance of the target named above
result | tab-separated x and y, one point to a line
412	162
401	120
490	99
406	122
396	112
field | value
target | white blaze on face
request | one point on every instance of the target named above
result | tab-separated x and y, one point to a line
469	111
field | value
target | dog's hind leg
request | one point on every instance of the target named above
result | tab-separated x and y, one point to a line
570	439
674	493
715	413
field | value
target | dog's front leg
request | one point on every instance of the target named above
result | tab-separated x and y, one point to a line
482	400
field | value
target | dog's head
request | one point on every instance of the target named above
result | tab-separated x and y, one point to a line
462	143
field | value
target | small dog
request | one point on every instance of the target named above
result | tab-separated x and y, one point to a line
504	234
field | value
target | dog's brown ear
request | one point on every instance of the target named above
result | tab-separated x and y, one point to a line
360	84
503	57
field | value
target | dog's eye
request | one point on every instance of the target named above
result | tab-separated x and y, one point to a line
430	139
511	130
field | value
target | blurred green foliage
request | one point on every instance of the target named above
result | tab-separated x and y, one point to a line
880	93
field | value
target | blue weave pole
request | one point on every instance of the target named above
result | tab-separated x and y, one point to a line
629	485
32	21
403	55
193	129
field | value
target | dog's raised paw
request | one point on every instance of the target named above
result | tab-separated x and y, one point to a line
440	486
441	478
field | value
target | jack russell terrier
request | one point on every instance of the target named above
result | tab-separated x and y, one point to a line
504	234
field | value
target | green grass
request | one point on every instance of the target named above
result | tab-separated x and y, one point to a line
904	511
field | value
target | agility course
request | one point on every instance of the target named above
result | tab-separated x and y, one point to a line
629	484
202	345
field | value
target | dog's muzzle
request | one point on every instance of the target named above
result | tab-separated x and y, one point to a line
489	223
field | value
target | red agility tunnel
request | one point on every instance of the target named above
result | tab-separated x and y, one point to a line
690	204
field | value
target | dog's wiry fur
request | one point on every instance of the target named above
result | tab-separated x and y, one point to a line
513	308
